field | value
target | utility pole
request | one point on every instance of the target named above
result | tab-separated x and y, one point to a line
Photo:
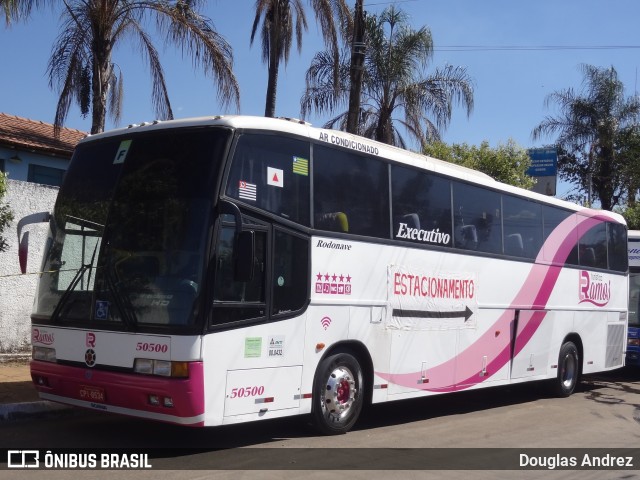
357	65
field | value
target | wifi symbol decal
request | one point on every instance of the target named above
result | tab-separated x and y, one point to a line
325	322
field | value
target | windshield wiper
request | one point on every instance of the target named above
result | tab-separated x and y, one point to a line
67	293
72	286
122	301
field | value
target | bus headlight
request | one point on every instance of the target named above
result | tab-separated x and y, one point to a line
143	365
44	353
164	368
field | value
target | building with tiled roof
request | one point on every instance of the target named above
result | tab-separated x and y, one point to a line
34	160
30	150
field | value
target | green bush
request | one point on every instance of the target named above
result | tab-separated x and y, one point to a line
6	215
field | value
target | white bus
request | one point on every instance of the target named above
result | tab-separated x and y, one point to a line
221	270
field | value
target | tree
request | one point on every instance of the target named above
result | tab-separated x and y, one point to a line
595	128
6	215
628	154
280	18
394	83
632	215
81	66
505	163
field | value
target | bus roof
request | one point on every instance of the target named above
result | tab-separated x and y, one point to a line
354	142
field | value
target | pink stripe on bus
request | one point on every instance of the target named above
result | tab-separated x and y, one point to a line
533	295
126	390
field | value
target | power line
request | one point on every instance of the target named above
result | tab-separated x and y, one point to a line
521	48
388	3
515	48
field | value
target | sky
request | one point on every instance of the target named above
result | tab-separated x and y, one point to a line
516	53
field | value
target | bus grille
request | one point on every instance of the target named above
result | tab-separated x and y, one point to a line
615	345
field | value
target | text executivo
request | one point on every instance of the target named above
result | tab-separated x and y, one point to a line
434	236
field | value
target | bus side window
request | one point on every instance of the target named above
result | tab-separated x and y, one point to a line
522	227
481	209
411	220
271	172
237	300
513	245
466	237
617	247
290	272
251	291
422	201
350	192
333	221
552	218
593	246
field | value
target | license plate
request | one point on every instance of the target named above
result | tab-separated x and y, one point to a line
92	394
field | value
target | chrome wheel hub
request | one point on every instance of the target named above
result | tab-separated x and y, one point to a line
340	392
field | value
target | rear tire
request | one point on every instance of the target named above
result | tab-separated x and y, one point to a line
568	370
337	394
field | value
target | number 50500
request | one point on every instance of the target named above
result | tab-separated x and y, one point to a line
244	392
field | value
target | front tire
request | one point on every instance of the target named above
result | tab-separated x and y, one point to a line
337	394
568	370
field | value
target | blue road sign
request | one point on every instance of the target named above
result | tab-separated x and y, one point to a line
544	162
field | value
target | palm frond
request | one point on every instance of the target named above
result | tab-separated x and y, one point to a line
395	87
116	96
160	95
18	10
321	94
195	36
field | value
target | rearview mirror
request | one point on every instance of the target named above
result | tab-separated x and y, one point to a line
23	252
23	240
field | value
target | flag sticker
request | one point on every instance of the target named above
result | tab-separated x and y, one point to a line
247	191
301	166
275	177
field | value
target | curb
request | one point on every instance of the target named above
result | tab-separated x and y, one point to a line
22	358
11	412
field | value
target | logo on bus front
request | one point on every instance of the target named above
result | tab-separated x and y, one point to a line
90	357
39	336
594	288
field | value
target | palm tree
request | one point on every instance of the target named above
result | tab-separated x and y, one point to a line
593	130
280	18
393	82
81	65
14	10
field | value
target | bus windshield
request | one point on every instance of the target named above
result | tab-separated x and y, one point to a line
128	233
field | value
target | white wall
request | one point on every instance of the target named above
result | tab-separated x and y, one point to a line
17	290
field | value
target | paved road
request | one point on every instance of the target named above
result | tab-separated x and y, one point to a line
603	413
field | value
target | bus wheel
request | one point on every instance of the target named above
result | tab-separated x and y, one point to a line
337	394
568	370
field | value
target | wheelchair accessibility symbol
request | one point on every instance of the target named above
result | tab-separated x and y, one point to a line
102	310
